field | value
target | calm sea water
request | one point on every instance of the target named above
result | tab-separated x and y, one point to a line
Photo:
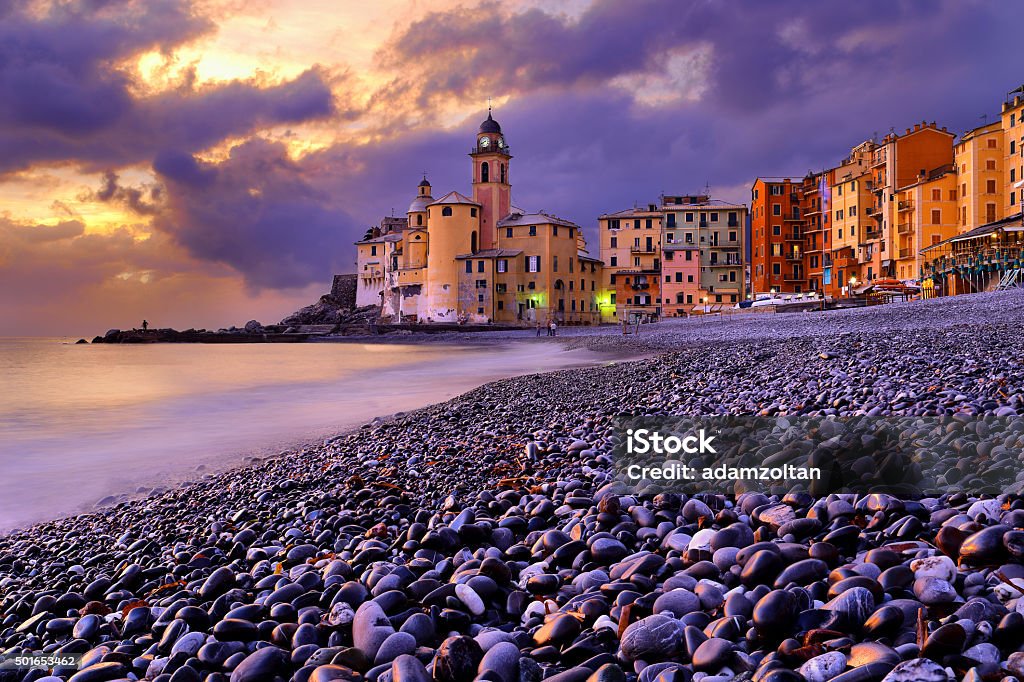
81	422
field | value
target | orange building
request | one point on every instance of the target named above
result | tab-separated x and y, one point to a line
776	237
817	231
1012	117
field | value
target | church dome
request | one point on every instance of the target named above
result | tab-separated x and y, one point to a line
424	183
419	204
490	125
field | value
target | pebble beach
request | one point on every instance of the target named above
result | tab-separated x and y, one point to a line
486	538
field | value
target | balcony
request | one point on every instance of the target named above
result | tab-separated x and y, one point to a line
872	233
794	237
643	249
873	212
906	253
728	263
371	273
904	228
794	277
793	196
904	205
794	255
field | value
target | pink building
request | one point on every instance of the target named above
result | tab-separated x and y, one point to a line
680	288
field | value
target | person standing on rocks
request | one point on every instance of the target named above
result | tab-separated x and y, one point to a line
145	325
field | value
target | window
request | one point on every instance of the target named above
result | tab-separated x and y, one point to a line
373	250
776	249
649	224
853	210
554	263
613	224
776	230
419	218
671	220
776	209
990	187
963	189
480	266
500	288
469	266
480	311
533	230
485	172
446	211
612	299
936	216
689	217
714	217
554	230
508	232
732	235
689	255
614	261
503	172
481	284
776	269
615	242
776	190
472	211
689	278
990	213
501	305
936	195
533	263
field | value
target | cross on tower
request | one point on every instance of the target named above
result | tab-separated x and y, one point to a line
488	106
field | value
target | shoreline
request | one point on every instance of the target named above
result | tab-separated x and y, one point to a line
508	486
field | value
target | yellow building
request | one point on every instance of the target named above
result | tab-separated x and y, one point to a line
478	259
981	190
855	233
928	211
630	247
1012	118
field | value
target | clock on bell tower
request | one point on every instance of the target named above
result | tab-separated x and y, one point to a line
491	186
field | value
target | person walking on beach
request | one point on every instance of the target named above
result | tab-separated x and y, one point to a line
554	328
145	325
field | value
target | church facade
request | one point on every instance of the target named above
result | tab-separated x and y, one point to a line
479	259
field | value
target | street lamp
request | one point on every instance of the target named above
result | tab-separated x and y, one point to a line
853	283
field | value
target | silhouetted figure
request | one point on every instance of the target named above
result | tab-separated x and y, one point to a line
145	325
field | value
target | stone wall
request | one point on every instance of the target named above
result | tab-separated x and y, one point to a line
343	290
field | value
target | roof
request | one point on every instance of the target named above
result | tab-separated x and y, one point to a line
710	204
591	259
381	239
626	212
1011	224
491	253
420	203
424	182
454	198
490	125
539	218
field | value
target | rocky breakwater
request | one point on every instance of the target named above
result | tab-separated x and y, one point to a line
486	538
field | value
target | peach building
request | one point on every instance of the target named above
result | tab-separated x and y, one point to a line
928	213
680	289
630	247
1012	119
479	259
856	249
981	184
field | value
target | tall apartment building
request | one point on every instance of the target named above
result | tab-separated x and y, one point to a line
979	159
776	261
817	231
856	244
1012	119
927	211
630	243
718	231
900	161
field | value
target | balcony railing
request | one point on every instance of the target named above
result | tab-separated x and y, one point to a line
905	205
794	255
905	253
642	249
371	273
903	228
727	263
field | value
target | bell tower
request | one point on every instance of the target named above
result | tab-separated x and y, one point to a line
491	186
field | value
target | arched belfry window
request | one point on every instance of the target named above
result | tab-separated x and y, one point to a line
485	172
503	173
419	219
472	242
446	211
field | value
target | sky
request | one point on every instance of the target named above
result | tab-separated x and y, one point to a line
200	163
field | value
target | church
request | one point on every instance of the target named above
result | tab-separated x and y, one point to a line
479	259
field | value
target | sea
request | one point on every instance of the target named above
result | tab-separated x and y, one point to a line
79	423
